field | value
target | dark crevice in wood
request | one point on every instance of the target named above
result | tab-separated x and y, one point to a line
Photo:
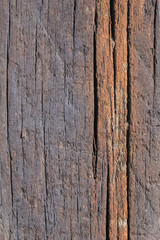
17	224
95	135
128	116
22	142
45	162
74	33
45	211
112	16
90	213
71	236
108	207
36	47
74	22
7	101
16	5
45	176
112	22
41	10
114	69
154	52
48	4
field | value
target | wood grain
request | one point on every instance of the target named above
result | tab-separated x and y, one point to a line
79	119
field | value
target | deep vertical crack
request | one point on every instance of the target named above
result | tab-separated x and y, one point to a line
113	35
128	116
36	47
95	135
45	161
22	142
74	22
108	207
154	52
7	101
48	7
74	33
112	16
17	224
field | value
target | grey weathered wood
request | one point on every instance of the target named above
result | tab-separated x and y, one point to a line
79	119
144	130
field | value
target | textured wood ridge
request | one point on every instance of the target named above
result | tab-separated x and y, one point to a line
79	119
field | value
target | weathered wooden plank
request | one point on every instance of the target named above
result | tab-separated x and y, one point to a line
144	133
79	119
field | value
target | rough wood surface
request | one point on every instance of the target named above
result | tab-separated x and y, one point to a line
79	119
